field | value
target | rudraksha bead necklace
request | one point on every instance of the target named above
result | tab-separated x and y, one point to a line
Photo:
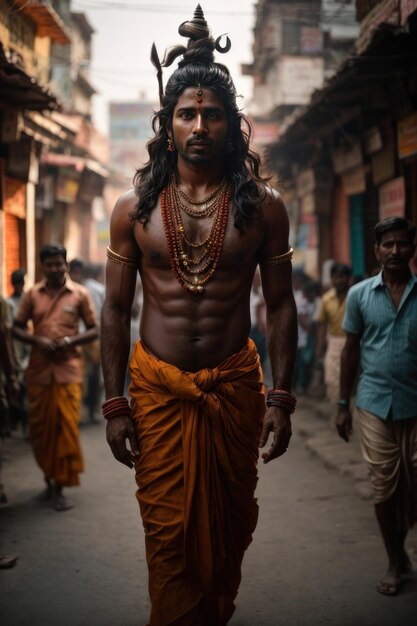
193	272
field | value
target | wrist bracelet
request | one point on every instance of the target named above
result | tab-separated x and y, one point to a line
115	407
281	398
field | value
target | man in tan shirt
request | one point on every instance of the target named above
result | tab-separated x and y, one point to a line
56	305
330	335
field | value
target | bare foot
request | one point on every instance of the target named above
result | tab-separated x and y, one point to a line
61	503
390	584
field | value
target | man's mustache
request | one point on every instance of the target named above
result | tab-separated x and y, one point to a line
203	141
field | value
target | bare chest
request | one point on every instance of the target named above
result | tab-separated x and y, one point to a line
237	250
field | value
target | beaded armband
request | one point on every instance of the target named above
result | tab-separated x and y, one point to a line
280	258
121	260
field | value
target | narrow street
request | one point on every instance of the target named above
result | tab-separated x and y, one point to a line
315	558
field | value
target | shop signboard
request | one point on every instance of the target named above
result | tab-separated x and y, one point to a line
311	40
347	157
372	141
392	199
354	181
67	185
298	77
407	136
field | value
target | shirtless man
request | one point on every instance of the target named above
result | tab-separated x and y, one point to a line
197	224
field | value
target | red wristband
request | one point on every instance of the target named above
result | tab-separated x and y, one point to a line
115	407
281	398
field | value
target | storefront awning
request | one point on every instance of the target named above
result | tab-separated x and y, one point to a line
348	92
21	91
48	22
77	162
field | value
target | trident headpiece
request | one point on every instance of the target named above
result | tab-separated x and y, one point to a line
200	47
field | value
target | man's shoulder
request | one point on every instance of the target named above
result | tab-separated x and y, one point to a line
363	291
125	203
272	207
270	197
35	289
77	288
365	286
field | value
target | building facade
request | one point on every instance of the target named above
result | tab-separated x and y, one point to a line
52	159
349	157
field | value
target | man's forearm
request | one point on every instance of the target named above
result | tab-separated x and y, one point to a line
349	364
86	337
18	332
115	348
282	344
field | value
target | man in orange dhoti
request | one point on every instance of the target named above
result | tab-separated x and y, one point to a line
196	487
200	220
55	306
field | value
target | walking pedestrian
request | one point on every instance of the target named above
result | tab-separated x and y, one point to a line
8	383
93	374
7	391
21	354
330	334
381	334
55	306
199	221
306	302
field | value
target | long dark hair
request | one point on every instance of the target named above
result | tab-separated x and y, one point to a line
242	165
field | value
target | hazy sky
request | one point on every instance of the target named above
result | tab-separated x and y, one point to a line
125	30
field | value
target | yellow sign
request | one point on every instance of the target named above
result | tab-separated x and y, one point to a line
407	136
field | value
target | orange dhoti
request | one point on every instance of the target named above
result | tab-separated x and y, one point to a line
54	413
198	438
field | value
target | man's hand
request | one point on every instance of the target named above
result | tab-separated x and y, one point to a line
277	421
120	429
61	345
344	423
48	346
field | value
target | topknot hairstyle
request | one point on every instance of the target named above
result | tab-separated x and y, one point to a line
200	48
197	67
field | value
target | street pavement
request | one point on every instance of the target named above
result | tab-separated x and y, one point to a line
315	558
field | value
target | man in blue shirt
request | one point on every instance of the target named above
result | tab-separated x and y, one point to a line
381	334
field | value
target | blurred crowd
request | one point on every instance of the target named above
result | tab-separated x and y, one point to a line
320	312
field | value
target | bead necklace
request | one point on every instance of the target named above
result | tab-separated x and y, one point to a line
206	211
204	200
193	271
207	207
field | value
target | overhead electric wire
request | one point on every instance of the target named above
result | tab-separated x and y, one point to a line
153	8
